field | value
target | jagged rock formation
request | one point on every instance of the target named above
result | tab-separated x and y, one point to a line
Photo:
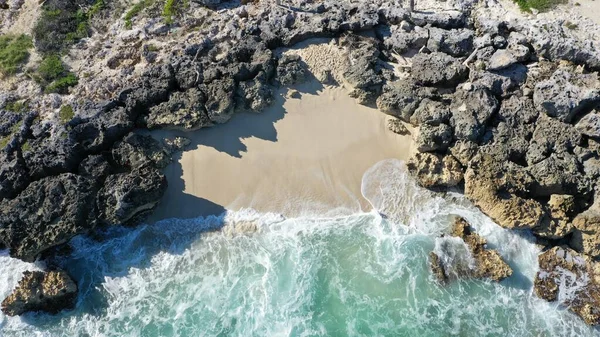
570	278
480	262
499	113
51	291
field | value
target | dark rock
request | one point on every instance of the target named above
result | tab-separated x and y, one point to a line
445	19
502	82
95	166
50	292
564	139
471	111
127	198
431	112
438	69
434	137
99	133
136	151
183	111
47	213
566	94
455	42
558	175
589	125
13	174
254	95
220	99
291	70
400	41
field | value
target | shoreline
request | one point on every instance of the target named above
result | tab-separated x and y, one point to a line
299	156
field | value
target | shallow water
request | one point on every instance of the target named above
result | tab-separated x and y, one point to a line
358	275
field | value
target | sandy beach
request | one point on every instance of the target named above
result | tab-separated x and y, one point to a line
299	156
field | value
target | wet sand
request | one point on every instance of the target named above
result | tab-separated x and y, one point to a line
299	157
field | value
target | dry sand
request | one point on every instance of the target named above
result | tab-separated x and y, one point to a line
299	157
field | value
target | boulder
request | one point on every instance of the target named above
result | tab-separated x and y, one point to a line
559	175
183	111
566	95
136	151
438	69
52	210
499	188
399	40
435	170
399	99
565	138
291	70
254	95
589	125
431	112
126	198
396	126
566	276
471	111
503	82
220	99
433	137
480	263
455	42
586	233
561	210
49	292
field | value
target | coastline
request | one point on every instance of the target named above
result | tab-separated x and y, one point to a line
300	156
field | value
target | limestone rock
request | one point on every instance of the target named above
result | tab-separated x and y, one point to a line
127	198
589	125
435	170
136	151
561	209
395	125
563	271
566	94
431	112
499	188
50	292
433	137
471	110
291	70
52	210
438	69
183	111
454	42
480	262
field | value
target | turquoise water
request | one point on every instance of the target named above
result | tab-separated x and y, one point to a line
354	275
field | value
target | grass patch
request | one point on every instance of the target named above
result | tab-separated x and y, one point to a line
540	5
54	77
64	22
168	11
18	106
14	52
25	147
135	10
66	113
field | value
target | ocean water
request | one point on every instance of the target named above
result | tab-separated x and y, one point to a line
363	274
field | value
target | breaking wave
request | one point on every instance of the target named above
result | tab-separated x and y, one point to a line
250	274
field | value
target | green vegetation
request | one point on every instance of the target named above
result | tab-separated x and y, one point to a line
25	147
168	11
64	22
53	75
14	51
540	5
18	106
135	10
13	130
66	113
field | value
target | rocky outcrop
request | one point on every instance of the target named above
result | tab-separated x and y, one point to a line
438	69
50	292
480	262
568	277
435	170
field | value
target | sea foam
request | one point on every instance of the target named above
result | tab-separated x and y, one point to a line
250	274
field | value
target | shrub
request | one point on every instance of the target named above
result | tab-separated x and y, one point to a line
66	113
168	11
135	10
64	22
540	5
14	51
18	106
53	75
61	85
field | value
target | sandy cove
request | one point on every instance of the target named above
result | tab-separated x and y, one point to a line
300	156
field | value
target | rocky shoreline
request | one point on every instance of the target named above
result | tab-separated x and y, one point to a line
506	111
